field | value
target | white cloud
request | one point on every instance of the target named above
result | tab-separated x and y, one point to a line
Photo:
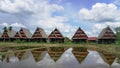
13	25
42	15
117	2
17	25
15	6
18	6
4	24
100	13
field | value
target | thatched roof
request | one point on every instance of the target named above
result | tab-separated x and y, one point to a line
10	33
0	34
107	57
28	34
80	34
106	31
41	33
55	34
17	33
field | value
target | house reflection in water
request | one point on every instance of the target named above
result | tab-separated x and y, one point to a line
107	57
56	52
80	53
92	59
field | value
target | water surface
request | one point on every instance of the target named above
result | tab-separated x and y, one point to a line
67	60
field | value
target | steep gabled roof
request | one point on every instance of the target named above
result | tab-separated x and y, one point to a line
0	34
40	32
17	35
27	33
10	33
55	34
107	33
79	34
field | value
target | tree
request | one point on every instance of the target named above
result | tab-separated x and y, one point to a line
117	29
5	29
10	28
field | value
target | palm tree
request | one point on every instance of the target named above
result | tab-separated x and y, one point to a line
10	28
5	29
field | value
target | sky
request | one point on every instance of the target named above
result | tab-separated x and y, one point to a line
66	15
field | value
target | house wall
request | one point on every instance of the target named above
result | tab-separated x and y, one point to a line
56	40
106	41
79	40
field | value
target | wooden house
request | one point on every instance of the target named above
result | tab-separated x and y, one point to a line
0	36
79	36
39	35
56	36
23	34
107	36
17	35
92	39
8	35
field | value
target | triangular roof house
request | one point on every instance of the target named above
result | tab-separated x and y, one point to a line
39	33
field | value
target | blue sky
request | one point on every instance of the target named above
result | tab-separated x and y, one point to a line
67	15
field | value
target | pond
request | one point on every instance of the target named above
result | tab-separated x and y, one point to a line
67	59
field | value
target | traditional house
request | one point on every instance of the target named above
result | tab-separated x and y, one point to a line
17	35
107	36
23	34
39	35
79	36
56	36
92	39
8	35
0	36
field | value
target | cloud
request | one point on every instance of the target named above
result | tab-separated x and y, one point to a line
100	16
17	25
33	6
117	2
4	24
15	6
13	25
37	13
100	13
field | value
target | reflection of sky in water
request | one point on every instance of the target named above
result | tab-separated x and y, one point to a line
67	60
